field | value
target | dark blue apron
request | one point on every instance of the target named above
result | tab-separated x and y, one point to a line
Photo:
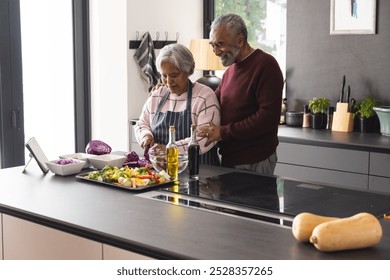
182	122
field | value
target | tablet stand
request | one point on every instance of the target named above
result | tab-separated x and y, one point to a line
31	157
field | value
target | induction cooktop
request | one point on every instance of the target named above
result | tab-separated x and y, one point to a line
281	196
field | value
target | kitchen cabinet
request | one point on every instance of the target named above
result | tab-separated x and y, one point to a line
114	253
379	179
24	240
345	168
350	160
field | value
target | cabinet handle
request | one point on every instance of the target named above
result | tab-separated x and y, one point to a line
13	118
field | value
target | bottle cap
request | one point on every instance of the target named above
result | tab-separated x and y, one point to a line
306	109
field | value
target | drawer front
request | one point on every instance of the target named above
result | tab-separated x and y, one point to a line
114	253
379	184
336	178
324	157
380	164
24	240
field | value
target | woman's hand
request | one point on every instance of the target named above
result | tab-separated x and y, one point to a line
157	148
148	141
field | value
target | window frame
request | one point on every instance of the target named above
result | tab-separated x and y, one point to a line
82	74
208	17
12	141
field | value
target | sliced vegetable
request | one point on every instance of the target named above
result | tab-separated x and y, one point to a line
164	175
144	176
156	178
141	182
147	169
129	177
133	184
66	161
126	182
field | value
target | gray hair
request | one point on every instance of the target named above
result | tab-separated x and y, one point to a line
179	56
232	22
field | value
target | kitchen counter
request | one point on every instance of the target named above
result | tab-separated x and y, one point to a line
371	142
156	229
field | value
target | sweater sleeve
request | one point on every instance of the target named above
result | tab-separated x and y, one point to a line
143	127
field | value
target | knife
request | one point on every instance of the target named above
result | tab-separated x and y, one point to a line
352	105
348	93
146	153
342	90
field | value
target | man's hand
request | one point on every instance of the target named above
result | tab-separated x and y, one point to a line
211	131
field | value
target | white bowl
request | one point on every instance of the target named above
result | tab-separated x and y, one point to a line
65	169
99	162
80	156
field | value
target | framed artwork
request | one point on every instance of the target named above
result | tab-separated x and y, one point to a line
352	17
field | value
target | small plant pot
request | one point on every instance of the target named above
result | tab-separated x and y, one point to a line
318	121
366	125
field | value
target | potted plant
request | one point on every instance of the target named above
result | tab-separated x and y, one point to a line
368	120
318	108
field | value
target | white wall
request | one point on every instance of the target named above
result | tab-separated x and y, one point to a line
172	16
118	92
109	72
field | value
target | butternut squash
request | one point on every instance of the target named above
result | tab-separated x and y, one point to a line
304	223
359	231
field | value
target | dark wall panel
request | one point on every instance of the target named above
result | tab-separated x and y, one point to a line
317	61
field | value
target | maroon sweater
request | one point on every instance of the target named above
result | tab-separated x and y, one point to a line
250	94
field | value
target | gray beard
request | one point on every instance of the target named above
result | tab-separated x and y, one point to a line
229	58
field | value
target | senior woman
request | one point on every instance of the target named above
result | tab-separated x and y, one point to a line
180	103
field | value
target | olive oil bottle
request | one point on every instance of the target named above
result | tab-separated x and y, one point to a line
172	156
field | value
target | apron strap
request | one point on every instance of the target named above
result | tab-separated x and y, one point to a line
188	105
189	100
162	101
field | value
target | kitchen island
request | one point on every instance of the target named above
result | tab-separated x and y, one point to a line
103	217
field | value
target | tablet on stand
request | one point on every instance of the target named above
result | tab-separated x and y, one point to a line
37	153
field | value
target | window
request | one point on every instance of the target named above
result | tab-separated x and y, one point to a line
75	63
48	87
265	20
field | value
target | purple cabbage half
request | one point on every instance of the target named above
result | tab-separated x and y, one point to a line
133	160
97	147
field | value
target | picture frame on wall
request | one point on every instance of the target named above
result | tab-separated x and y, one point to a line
352	17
